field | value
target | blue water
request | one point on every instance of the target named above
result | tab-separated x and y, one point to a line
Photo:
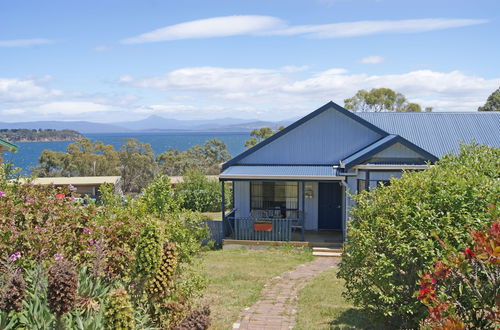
28	153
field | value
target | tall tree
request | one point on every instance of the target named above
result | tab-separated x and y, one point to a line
492	103
137	164
380	100
260	134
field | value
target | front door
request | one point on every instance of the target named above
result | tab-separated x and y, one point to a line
330	206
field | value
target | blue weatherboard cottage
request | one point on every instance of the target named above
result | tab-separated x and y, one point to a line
295	185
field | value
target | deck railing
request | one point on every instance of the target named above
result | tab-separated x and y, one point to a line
262	229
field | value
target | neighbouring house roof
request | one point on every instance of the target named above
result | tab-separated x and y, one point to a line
439	132
77	180
366	153
276	172
7	145
179	179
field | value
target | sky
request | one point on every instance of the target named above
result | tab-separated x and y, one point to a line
119	60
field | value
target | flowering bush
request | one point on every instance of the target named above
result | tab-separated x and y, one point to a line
43	228
463	289
392	231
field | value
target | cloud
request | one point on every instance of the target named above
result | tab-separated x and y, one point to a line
71	108
25	42
269	89
211	27
23	89
372	59
225	26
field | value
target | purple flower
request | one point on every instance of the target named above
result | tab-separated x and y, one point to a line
87	231
29	200
2	194
14	256
72	188
58	256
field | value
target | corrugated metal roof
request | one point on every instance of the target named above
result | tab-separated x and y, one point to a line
439	132
77	180
280	172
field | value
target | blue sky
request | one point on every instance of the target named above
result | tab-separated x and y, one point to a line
123	60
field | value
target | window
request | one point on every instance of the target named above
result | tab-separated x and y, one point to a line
378	183
280	199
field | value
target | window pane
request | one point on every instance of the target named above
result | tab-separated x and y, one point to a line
274	195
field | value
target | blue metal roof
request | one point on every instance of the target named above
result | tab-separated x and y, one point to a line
279	172
439	132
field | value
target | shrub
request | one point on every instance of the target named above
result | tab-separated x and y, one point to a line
202	194
463	289
393	230
158	198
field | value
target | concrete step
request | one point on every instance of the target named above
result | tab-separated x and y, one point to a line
327	249
327	254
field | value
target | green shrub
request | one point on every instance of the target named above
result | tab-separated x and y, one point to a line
158	198
187	230
202	194
394	230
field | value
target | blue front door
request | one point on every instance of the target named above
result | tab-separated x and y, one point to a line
330	206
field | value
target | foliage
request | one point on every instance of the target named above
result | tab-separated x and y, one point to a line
119	313
199	193
28	135
158	198
205	158
492	103
12	287
260	134
393	229
380	99
463	289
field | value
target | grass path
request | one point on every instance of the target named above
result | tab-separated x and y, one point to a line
321	306
237	277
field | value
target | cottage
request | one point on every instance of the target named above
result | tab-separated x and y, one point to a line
84	185
6	146
296	184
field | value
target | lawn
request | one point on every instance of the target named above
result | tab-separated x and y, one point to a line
236	278
321	306
217	216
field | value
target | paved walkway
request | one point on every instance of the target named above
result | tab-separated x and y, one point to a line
276	307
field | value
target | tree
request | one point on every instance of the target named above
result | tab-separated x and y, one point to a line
137	164
492	103
260	134
396	231
206	158
380	100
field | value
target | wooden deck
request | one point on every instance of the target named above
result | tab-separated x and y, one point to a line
328	239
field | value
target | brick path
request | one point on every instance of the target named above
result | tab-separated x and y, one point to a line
276	307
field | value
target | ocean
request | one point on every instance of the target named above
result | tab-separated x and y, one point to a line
28	153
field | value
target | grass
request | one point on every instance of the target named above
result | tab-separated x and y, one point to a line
217	216
236	278
321	306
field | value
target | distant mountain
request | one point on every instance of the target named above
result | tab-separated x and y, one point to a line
153	124
79	126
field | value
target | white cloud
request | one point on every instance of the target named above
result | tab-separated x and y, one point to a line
267	25
71	108
270	89
23	89
25	42
211	27
374	59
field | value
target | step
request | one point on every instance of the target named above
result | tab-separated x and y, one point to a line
327	249
327	254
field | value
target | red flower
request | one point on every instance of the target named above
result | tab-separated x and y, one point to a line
59	196
469	253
